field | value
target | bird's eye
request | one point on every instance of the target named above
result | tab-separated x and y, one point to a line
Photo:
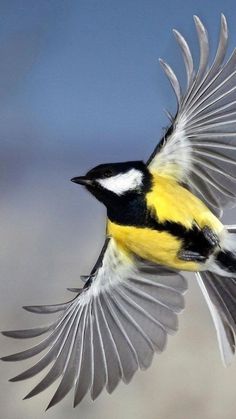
108	173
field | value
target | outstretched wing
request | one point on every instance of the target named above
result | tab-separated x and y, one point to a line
199	149
109	330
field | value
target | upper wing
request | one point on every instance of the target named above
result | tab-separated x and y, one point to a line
199	149
109	330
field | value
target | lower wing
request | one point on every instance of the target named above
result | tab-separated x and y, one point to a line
220	294
109	330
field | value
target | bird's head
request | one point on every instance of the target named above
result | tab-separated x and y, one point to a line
116	182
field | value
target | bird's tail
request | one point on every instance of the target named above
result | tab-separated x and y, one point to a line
219	290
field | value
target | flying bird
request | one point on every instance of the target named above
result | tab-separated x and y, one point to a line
163	218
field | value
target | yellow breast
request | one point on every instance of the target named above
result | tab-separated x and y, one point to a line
167	201
158	247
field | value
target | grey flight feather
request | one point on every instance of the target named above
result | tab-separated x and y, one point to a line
200	148
109	330
173	79
220	295
187	56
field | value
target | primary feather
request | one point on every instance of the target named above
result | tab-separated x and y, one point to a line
109	330
200	149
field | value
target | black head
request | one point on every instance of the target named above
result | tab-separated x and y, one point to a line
116	183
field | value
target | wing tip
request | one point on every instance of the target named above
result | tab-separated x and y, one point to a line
76	290
52	403
10	333
14	379
31	394
223	19
199	25
94	394
224	26
177	34
5	358
32	309
197	20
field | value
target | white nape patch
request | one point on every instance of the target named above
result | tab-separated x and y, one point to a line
123	182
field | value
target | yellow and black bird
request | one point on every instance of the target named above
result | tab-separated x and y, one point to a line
163	217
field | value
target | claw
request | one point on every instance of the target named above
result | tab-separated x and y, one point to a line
190	256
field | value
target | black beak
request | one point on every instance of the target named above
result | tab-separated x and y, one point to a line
81	180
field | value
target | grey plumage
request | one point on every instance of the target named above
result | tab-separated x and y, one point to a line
202	142
220	295
108	331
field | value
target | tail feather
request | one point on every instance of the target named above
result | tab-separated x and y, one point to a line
226	259
220	295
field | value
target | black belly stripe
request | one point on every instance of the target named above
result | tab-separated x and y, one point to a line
192	239
137	214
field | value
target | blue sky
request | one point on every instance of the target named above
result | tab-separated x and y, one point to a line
81	78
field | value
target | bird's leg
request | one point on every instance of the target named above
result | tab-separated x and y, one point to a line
210	236
191	256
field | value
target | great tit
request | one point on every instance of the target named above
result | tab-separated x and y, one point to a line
163	217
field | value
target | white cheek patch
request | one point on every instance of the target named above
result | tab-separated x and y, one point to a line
123	182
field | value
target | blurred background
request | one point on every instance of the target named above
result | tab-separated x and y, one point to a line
80	84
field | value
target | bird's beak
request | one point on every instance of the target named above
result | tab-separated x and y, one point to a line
81	180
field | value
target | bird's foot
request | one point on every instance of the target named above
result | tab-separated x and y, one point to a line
210	236
190	256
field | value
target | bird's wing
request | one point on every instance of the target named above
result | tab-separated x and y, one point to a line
199	149
220	295
109	330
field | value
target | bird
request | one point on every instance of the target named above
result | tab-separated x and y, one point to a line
164	217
